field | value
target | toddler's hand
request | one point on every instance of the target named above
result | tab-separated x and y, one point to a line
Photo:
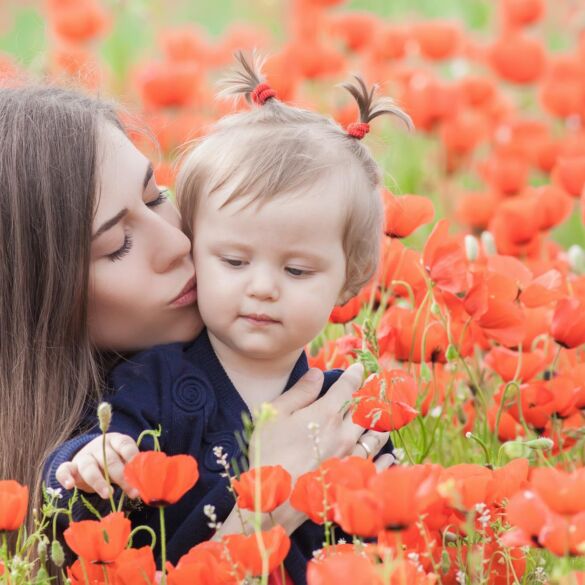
86	470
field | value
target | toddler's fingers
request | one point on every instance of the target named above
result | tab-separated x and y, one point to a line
116	473
124	445
65	474
91	473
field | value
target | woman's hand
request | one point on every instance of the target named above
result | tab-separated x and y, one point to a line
86	470
286	440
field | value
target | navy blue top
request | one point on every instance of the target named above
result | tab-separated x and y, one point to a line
185	389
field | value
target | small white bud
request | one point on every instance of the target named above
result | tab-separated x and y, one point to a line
104	413
576	256
471	247
489	243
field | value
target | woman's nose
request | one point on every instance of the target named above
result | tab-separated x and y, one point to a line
171	245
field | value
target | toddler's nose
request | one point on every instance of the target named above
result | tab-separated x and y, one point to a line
263	285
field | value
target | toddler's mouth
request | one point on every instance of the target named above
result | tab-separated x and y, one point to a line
259	319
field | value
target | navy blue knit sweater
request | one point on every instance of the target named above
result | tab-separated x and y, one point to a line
184	388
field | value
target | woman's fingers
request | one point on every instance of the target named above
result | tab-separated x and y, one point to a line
370	444
384	461
303	393
124	445
340	393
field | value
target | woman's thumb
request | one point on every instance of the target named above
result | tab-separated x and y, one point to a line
303	393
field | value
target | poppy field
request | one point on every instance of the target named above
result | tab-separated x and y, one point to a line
472	332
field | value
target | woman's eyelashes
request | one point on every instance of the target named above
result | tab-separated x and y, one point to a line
123	250
127	245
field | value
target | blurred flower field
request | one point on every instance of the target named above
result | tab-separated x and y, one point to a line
474	326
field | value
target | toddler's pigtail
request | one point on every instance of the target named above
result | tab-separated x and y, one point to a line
371	107
248	81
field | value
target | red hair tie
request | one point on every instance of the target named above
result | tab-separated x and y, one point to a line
261	93
358	129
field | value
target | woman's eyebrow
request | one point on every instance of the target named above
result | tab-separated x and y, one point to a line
110	223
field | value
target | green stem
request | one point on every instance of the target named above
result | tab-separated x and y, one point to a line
163	545
107	473
146	529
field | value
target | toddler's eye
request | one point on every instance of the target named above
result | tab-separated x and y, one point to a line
297	271
233	262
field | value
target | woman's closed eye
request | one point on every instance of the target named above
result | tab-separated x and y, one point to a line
123	250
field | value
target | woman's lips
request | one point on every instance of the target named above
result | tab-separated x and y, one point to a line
187	296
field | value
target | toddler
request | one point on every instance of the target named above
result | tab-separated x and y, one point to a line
284	210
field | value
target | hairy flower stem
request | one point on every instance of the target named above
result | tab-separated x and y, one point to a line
163	545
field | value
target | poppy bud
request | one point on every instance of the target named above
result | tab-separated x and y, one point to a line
576	256
104	413
451	354
542	443
516	450
425	372
471	247
42	550
489	243
57	554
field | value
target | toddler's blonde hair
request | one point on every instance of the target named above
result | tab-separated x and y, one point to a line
275	150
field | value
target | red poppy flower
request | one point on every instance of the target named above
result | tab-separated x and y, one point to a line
275	487
444	260
357	29
404	214
385	402
343	568
405	493
493	308
358	512
510	479
390	42
544	289
313	493
518	58
505	363
135	567
519	13
568	324
79	21
347	312
398	338
537	404
569	173
13	504
562	492
437	39
82	572
204	564
244	550
473	484
476	209
99	541
161	479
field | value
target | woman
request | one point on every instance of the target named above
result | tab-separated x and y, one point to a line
93	264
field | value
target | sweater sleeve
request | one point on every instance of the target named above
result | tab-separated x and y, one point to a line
139	388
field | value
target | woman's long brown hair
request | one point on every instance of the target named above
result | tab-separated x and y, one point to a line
48	185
